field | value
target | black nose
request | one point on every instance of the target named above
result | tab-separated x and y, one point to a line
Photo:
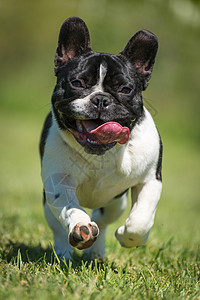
100	101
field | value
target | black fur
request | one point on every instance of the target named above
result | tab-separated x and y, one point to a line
95	88
159	164
75	61
122	109
45	130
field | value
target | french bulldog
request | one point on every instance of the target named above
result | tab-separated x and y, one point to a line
98	142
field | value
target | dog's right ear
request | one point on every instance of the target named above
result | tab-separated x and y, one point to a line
74	40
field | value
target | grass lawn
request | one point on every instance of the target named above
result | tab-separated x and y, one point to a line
166	267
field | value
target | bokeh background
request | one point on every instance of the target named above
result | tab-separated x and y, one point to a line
28	40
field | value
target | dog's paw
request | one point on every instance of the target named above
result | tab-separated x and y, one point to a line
129	239
83	236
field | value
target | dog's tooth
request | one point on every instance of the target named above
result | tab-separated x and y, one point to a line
91	142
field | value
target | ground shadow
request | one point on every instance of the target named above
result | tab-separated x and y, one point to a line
37	254
13	251
27	253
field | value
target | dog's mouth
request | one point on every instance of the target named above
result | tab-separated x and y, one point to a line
96	133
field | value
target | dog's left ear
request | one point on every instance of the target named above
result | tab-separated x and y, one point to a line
141	51
74	40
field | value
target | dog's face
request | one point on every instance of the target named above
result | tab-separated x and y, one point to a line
98	96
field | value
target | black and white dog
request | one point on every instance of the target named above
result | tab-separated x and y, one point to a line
98	141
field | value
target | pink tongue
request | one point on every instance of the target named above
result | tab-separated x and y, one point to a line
108	132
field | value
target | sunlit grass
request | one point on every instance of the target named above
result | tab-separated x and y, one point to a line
168	266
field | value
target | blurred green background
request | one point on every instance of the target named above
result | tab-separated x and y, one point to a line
29	32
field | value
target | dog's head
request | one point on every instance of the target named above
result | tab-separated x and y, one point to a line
97	97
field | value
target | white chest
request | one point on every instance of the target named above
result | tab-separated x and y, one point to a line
98	179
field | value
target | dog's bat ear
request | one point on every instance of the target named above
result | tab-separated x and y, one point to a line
74	40
141	51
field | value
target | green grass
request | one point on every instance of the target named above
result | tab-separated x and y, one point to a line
159	276
168	266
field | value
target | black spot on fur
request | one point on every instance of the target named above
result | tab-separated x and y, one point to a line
159	164
44	197
101	210
45	131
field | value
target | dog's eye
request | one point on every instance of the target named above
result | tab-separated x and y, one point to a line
77	84
125	90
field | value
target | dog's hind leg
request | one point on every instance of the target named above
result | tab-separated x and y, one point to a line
103	217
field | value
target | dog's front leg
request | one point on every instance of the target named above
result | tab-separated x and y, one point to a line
62	201
145	199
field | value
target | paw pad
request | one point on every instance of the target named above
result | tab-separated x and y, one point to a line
83	236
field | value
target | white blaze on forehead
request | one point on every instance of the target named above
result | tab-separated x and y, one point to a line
102	75
81	103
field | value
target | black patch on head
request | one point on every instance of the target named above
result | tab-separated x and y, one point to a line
159	164
78	68
123	108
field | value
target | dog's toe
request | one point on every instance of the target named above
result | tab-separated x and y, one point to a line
83	236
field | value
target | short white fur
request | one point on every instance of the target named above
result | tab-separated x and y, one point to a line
67	170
